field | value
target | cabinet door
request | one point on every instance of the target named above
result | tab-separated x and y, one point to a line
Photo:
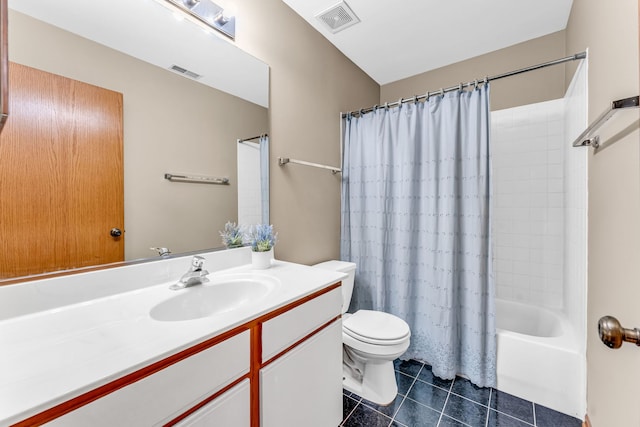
166	394
304	387
229	410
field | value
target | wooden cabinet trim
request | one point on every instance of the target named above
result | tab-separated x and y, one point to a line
207	400
300	341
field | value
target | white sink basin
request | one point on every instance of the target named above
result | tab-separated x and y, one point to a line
222	294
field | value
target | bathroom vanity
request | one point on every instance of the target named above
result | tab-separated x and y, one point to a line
118	347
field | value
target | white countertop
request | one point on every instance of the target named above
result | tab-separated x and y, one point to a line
50	356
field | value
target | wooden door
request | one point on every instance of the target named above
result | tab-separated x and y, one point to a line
61	175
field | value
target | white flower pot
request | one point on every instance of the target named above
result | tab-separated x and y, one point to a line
261	260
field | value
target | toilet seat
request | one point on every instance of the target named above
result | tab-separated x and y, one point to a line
376	327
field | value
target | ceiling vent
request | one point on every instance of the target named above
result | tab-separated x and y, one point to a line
185	72
338	17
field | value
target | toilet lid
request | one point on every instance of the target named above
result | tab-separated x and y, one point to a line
376	327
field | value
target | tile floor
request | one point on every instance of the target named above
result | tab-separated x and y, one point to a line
425	400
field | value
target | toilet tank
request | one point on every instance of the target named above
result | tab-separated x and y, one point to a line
347	284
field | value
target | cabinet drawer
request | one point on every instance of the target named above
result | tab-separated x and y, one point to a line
166	394
230	409
293	325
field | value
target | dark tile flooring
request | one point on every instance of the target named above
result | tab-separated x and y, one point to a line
425	400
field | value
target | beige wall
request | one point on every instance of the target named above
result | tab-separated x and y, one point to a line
536	86
311	83
171	124
610	31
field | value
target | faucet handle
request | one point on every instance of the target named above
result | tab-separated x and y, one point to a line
197	262
162	251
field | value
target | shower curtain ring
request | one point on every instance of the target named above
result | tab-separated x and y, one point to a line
386	105
361	112
400	102
441	91
415	99
486	80
460	87
475	84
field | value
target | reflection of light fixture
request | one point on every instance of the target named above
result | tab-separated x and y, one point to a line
208	13
220	19
190	3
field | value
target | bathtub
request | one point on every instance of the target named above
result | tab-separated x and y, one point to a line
539	357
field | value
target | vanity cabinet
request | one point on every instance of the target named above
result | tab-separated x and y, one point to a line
163	396
280	369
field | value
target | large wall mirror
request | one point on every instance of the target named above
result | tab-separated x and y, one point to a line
172	123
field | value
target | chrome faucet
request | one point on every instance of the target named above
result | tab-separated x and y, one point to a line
195	276
163	252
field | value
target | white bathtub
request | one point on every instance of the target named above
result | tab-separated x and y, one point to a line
539	358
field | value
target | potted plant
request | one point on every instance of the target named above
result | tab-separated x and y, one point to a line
262	240
232	236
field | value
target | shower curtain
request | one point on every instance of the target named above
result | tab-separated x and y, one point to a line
416	220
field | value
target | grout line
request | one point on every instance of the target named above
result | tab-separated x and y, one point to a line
353	410
404	397
457	420
445	401
472	400
426	406
360	401
437	386
486	424
515	418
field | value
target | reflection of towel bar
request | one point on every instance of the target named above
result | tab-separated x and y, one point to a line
587	138
284	160
198	179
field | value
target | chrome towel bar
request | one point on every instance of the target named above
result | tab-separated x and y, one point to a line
587	138
284	160
197	179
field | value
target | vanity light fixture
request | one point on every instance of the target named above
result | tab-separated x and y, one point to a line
208	13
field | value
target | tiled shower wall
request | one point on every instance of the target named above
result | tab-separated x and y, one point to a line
249	193
540	203
528	202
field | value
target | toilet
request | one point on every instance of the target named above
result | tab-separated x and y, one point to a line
371	341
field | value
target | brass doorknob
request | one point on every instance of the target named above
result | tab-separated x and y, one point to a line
613	334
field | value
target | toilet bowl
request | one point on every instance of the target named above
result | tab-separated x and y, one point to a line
371	340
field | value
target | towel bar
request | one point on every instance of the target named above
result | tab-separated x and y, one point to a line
587	138
197	179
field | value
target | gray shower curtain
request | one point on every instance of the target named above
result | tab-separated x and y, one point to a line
416	220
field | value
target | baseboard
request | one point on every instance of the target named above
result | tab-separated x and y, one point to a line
586	422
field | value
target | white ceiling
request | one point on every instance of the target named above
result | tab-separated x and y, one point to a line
401	38
152	32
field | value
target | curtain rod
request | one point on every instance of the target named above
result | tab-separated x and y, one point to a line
461	86
253	137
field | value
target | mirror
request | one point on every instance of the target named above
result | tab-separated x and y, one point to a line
172	123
